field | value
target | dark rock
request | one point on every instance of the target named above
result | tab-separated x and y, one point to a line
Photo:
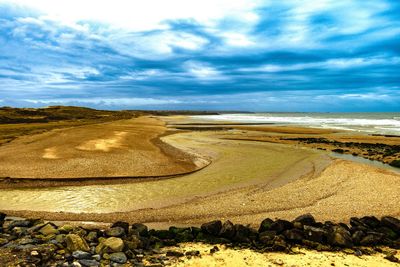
89	263
174	253
371	239
19	223
355	222
118	257
123	225
389	233
185	236
315	234
371	221
357	236
115	232
193	253
241	234
141	229
162	234
281	225
340	236
392	223
214	249
91	236
295	235
279	244
81	255
227	230
265	225
195	231
306	219
392	258
212	228
267	237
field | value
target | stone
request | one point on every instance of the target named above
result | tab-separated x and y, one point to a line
162	234
389	233
279	243
267	237
48	229
185	236
242	234
392	258
315	234
133	243
80	255
89	263
265	225
75	242
392	223
140	228
118	257
357	236
20	223
192	253
306	219
91	236
340	237
212	228
371	239
115	232
66	228
227	230
174	253
111	244
371	221
123	225
294	235
281	225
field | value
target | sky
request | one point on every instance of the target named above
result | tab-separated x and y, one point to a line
287	55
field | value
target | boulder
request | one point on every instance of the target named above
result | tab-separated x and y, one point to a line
357	236
227	230
281	225
48	229
115	232
279	243
123	225
267	237
88	263
20	223
141	229
91	236
265	225
340	237
315	234
111	244
392	223
372	239
371	221
241	234
75	242
212	228
118	257
294	235
80	255
306	219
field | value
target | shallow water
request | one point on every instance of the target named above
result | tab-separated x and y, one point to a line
238	163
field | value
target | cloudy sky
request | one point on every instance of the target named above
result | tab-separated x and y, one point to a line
288	55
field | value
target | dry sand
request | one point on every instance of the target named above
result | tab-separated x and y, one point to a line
124	148
300	257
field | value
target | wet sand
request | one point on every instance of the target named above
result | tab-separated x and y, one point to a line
246	182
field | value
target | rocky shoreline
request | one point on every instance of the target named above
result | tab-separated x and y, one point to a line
34	242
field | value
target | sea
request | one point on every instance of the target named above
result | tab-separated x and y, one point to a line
366	122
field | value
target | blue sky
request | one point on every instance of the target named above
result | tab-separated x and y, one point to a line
289	55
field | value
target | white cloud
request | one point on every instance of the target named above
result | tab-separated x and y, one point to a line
203	71
140	15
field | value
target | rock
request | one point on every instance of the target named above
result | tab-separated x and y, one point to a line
371	221
48	229
392	223
66	228
357	236
265	225
267	237
315	234
281	225
340	237
89	263
174	253
389	233
162	234
306	219
75	242
279	243
123	225
80	255
185	236
371	239
20	223
91	236
133	242
295	235
115	232
227	230
141	229
214	249
118	257
392	258
111	244
193	253
241	234
212	228
355	222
